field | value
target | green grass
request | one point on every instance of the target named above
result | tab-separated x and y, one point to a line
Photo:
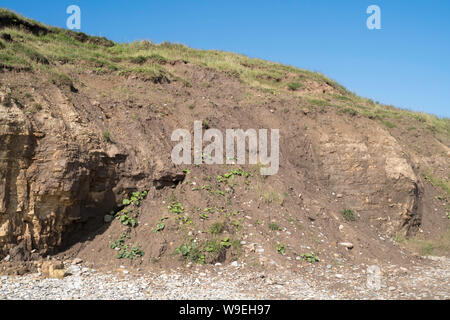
349	215
274	227
294	85
217	228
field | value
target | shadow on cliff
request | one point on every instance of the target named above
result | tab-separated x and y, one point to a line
90	225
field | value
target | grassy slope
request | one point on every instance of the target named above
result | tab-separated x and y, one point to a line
47	48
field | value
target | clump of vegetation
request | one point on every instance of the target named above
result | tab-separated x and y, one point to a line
161	225
273	226
281	248
176	207
106	136
128	217
310	257
348	214
191	252
217	228
207	251
130	253
294	85
136	198
271	196
232	174
124	250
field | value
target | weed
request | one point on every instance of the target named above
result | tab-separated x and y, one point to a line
310	257
127	218
217	228
107	136
294	85
192	252
225	242
273	226
130	253
124	250
176	207
281	248
349	215
161	225
136	198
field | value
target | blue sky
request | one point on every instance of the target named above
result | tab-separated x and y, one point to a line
406	63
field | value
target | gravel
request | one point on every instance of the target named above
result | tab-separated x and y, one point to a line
428	281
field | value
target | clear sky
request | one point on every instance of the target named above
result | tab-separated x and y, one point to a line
406	63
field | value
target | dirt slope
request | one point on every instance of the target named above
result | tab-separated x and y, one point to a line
85	122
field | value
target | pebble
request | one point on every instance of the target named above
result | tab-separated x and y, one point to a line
429	280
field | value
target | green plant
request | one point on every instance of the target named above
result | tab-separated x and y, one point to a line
106	136
281	249
124	250
237	224
136	198
273	226
203	216
161	225
217	228
349	215
130	253
310	257
225	242
127	218
192	252
176	207
121	241
294	85
184	220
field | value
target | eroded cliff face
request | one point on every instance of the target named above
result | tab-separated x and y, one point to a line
54	173
47	180
67	158
371	170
